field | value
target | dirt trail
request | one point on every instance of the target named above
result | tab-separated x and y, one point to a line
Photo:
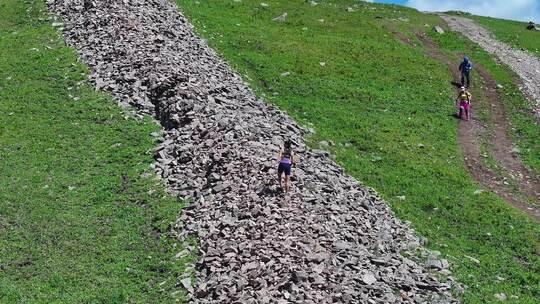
521	62
502	145
471	132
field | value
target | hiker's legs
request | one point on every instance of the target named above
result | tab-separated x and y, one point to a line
468	76
462	79
286	168
280	172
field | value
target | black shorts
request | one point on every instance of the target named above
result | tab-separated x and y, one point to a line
284	168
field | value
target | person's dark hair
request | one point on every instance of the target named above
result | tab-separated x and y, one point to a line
288	144
287	148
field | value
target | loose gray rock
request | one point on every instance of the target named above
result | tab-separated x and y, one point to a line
331	240
438	29
368	278
186	283
281	18
474	260
500	296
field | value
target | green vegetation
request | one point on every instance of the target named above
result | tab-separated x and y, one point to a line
525	131
514	33
387	107
78	221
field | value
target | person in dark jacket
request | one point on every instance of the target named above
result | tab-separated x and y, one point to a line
465	68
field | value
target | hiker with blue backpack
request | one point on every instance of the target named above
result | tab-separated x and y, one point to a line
465	68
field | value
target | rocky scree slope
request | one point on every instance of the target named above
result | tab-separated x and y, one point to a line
330	241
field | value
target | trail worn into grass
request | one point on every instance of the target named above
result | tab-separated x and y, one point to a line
470	135
527	66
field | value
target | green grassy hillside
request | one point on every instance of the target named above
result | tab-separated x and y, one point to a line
523	128
78	222
387	108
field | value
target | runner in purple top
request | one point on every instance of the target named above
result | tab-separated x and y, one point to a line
286	161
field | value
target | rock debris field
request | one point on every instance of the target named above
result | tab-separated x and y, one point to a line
526	65
331	240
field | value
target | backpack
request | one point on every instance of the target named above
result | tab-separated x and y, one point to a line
467	66
464	96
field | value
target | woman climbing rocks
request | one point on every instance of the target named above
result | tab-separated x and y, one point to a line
286	161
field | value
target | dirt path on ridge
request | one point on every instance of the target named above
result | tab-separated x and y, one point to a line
501	144
526	65
471	132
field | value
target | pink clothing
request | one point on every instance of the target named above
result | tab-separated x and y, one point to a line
464	104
